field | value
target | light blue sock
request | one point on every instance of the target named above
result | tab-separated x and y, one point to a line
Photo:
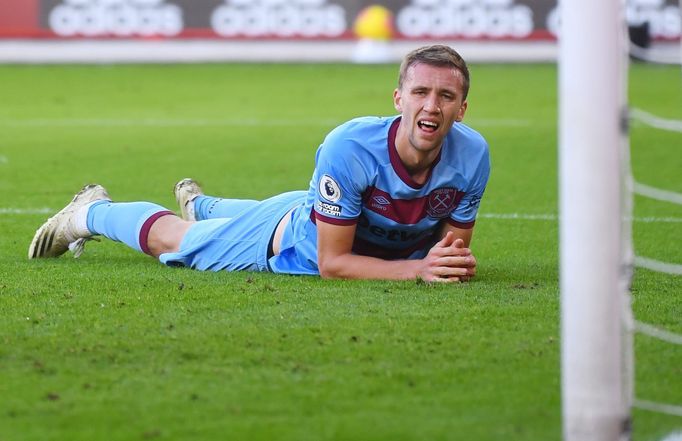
209	207
125	222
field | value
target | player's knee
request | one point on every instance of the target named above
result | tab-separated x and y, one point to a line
166	235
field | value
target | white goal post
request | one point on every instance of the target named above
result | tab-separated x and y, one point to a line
592	135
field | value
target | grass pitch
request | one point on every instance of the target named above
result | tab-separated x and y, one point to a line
114	346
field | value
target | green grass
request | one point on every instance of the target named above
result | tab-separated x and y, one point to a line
114	346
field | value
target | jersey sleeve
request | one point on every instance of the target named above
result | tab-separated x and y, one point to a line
340	179
464	215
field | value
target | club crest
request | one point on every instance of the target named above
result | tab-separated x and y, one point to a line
441	202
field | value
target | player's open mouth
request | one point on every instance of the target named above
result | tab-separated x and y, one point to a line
428	126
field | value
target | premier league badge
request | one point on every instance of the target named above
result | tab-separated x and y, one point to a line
329	189
441	202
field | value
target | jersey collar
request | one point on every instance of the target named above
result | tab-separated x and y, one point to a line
397	163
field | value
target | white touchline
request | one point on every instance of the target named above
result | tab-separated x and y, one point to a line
554	217
161	122
495	216
218	122
21	211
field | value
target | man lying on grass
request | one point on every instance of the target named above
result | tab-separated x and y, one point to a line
390	198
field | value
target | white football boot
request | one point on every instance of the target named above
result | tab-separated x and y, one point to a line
185	192
67	229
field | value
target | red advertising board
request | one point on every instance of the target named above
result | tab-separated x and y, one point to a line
304	19
19	18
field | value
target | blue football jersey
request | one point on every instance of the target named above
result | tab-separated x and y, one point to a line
360	180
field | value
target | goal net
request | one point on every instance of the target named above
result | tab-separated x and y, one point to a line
596	214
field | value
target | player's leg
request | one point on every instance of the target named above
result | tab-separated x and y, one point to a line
195	205
165	235
91	213
135	224
241	243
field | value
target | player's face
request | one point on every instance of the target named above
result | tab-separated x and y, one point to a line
431	100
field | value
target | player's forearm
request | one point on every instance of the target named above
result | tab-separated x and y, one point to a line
350	266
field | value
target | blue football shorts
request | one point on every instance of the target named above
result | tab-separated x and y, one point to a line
240	243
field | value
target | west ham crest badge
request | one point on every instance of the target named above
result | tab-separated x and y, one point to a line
441	202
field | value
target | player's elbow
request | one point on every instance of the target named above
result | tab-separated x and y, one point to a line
330	268
327	271
327	274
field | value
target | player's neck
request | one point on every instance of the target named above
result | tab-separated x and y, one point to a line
417	163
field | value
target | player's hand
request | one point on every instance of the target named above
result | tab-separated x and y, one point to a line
448	261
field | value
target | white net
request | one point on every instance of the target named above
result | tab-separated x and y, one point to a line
630	257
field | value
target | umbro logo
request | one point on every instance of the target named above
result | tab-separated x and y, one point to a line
380	203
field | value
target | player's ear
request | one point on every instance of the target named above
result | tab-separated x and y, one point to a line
462	111
396	100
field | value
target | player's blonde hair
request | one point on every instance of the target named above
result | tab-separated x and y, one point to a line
435	55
